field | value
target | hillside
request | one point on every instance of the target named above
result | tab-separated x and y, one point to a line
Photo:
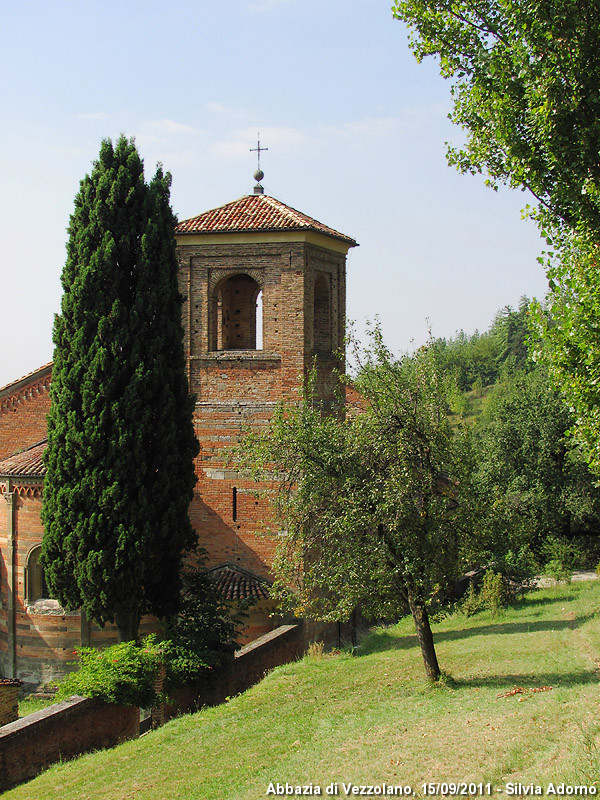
370	719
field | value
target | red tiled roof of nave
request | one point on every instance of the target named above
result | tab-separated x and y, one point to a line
258	212
26	462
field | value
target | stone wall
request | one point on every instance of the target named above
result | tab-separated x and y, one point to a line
60	732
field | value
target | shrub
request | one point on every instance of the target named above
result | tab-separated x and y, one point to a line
472	602
123	673
562	556
518	569
493	593
203	634
316	650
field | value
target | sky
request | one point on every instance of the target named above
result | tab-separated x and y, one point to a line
355	130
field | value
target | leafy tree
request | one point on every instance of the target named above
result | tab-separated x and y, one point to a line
369	502
479	360
533	485
121	444
525	77
567	328
511	331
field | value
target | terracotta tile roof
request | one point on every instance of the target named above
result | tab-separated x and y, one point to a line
256	212
235	583
27	462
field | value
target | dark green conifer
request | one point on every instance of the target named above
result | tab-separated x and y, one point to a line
121	444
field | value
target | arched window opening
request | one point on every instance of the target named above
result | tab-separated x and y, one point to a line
35	584
237	307
322	314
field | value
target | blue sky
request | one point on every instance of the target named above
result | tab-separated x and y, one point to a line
354	126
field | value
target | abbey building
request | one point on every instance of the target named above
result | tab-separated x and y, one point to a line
264	288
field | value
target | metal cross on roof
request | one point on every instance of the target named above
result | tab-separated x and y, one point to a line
258	150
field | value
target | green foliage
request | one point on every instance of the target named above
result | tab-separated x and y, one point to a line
525	88
479	360
566	327
492	593
562	557
123	674
471	603
531	483
119	462
203	633
370	504
518	569
525	78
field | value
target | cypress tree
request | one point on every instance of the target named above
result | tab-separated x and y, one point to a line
121	444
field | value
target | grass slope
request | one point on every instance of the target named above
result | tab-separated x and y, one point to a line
372	719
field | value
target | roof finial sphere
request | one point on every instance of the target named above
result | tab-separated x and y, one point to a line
259	175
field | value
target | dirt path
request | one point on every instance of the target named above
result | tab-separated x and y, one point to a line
578	575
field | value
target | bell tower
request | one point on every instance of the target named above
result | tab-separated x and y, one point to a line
265	299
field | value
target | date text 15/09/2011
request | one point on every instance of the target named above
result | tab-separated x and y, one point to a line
509	789
435	789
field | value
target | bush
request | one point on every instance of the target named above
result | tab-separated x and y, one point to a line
492	593
472	602
518	569
491	596
123	673
588	545
203	634
562	557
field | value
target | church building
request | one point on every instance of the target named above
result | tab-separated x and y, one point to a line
264	289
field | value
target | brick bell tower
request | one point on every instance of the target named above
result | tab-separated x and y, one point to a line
265	294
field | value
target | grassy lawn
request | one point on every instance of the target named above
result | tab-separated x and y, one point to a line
27	705
371	718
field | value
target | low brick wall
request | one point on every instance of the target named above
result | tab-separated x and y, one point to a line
9	700
59	732
248	666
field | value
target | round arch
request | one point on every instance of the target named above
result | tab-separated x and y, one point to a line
233	311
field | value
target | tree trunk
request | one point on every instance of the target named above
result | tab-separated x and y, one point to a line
128	625
425	637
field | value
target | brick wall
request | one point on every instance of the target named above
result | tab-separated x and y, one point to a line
303	289
23	409
251	663
60	732
248	666
9	700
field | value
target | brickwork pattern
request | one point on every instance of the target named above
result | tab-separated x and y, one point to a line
248	666
23	413
60	732
9	700
303	290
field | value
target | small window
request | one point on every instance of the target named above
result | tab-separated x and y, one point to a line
35	584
